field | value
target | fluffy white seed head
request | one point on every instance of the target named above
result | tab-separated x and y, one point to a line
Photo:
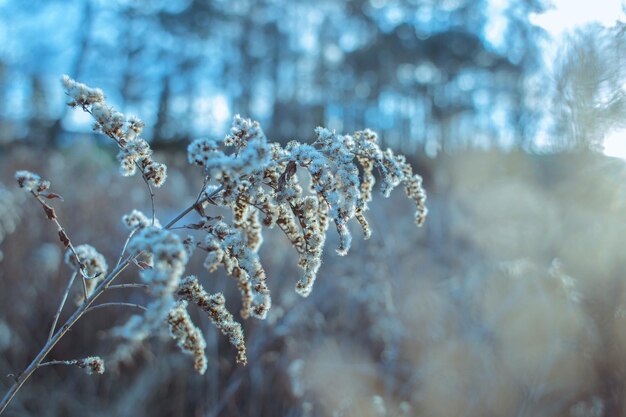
94	265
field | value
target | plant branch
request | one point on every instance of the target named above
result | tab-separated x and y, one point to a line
64	237
115	304
63	300
81	310
121	286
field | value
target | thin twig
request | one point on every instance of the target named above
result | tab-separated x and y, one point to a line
86	305
67	241
80	311
130	236
115	304
193	206
121	286
143	174
23	376
41	365
63	300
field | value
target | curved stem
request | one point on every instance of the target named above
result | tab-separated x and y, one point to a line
116	304
86	305
63	300
130	236
24	375
131	285
82	309
64	237
41	365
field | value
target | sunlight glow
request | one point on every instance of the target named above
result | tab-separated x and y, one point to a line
568	14
615	144
564	17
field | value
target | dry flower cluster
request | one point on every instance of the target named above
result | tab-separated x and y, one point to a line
300	188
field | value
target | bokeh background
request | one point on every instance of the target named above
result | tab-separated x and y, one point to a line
509	301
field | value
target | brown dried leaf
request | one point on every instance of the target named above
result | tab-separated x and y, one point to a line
50	214
53	195
286	176
143	265
195	226
200	209
64	239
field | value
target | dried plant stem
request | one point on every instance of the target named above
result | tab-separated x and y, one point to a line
143	175
83	308
41	365
64	238
193	207
130	236
116	304
122	286
63	300
26	373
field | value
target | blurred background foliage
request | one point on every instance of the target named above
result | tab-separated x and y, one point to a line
426	74
510	301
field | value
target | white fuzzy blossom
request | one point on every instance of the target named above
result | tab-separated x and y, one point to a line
137	220
135	152
228	246
168	259
215	306
92	262
260	183
188	337
251	152
31	181
80	94
91	365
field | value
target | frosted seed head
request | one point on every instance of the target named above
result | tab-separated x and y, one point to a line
92	365
94	265
201	151
137	220
28	180
155	173
187	336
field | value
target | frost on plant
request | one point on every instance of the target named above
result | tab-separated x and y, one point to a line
167	259
31	181
135	153
249	184
137	220
188	337
92	262
260	183
215	306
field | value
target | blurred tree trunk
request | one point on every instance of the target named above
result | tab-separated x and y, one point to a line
84	40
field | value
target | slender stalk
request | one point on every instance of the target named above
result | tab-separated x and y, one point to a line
116	304
132	285
67	240
130	236
81	310
143	175
63	300
85	306
24	375
41	365
193	206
